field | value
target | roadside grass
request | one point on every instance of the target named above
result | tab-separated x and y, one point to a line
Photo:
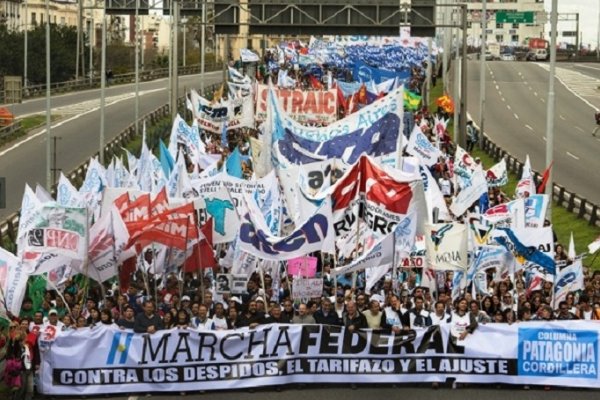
27	125
563	221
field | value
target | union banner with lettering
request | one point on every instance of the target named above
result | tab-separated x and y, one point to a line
317	107
106	360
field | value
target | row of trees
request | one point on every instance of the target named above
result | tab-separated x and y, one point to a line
120	57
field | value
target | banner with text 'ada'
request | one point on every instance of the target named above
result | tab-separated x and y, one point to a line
106	360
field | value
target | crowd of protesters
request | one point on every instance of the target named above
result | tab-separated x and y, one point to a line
397	303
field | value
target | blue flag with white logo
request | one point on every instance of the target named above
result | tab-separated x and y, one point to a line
233	164
530	253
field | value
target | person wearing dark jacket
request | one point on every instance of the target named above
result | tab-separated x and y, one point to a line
352	319
148	321
276	316
250	317
326	315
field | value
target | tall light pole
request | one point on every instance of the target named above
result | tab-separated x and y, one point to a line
175	61
484	22
48	118
550	105
598	34
137	65
184	30
25	45
203	47
102	86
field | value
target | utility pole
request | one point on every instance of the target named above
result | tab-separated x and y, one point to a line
203	48
79	37
484	23
91	40
461	138
102	87
175	61
137	66
25	45
54	168
550	105
48	115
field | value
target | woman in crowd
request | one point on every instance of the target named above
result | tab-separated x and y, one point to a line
106	318
183	320
168	321
94	317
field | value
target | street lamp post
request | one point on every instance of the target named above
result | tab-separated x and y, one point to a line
25	50
202	47
137	66
102	87
484	22
184	29
550	105
48	118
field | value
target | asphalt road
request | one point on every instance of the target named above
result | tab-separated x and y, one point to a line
367	392
24	161
515	119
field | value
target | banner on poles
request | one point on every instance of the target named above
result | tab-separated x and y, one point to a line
304	106
307	288
105	360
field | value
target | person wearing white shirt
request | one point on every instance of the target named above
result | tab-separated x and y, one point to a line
202	322
219	320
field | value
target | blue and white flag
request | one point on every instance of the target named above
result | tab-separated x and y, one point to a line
67	195
248	56
570	279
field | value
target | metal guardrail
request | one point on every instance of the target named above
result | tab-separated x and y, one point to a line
87	83
574	203
9	129
9	227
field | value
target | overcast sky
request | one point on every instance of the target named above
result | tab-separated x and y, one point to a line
588	17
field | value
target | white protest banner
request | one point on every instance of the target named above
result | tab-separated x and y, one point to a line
307	288
535	210
381	253
14	283
248	56
315	234
236	113
497	175
469	194
60	230
106	360
304	106
420	147
446	246
464	167
393	103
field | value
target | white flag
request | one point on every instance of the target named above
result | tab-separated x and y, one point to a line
15	282
446	246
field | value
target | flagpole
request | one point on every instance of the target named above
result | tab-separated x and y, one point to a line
181	282
202	288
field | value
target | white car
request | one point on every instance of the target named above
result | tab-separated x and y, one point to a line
507	57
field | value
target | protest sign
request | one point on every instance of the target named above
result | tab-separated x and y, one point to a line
307	288
303	266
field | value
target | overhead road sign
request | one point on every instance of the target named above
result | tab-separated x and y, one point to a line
514	17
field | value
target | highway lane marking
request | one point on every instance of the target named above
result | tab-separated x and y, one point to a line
579	129
568	87
132	398
544	138
585	66
497	87
508	106
40	99
502	98
516	116
499	92
535	93
561	117
62	122
529	127
572	155
542	100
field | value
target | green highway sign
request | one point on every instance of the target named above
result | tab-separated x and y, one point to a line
514	17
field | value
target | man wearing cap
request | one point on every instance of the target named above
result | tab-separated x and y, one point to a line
185	304
53	321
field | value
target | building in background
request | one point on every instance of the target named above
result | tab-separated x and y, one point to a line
510	34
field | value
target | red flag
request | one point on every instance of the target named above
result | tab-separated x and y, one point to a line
122	202
340	99
160	203
127	268
171	228
545	176
138	210
202	256
315	83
